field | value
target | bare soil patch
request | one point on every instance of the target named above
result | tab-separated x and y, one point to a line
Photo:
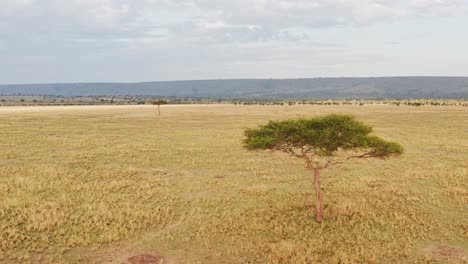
446	253
146	259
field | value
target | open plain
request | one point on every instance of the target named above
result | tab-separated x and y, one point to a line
100	184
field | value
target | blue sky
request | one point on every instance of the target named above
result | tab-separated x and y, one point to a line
150	40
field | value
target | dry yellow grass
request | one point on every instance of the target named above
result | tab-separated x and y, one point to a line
101	184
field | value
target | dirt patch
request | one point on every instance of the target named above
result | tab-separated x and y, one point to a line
146	259
446	253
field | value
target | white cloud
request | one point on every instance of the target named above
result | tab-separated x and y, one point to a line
208	17
270	15
201	31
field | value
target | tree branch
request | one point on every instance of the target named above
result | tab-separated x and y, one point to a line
330	163
309	160
363	156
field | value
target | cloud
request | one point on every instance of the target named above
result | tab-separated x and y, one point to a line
240	20
218	35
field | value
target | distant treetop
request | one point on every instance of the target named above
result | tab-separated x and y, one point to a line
159	102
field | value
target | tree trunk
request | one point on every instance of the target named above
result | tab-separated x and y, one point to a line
319	201
159	110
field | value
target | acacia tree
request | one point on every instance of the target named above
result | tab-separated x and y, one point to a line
318	141
159	103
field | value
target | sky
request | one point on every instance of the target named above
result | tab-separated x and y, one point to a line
47	41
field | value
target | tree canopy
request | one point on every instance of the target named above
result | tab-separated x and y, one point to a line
159	102
322	136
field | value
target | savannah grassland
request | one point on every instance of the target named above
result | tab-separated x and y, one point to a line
99	184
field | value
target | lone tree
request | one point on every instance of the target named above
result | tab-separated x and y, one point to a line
318	141
159	103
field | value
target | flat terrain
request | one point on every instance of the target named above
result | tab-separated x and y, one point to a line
101	184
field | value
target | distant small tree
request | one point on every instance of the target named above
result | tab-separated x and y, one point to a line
159	103
317	141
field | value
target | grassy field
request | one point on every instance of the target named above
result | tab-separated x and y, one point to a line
100	184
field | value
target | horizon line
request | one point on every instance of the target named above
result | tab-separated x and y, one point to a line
240	79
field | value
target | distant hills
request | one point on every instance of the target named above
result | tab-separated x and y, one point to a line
263	89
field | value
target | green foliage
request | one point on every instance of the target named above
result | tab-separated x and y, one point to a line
322	135
159	102
382	148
